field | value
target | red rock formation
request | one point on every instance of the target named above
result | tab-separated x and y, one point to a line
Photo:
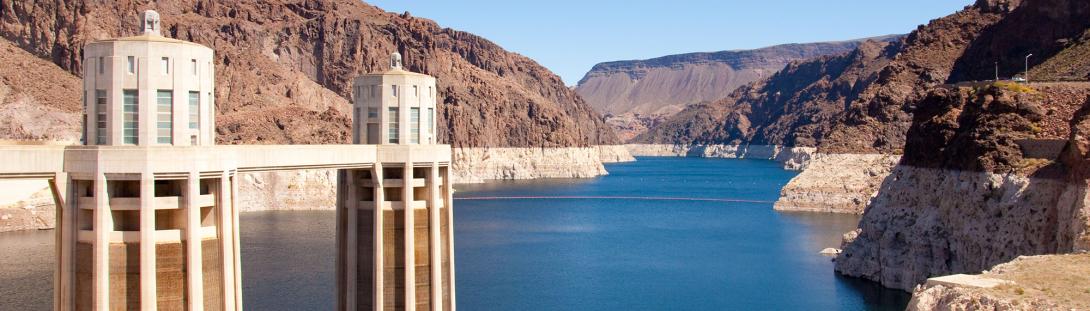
284	67
860	102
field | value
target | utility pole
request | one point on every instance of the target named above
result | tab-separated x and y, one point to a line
1026	75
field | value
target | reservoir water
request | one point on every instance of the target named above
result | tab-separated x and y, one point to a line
633	240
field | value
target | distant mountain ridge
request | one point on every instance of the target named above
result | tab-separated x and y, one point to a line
635	94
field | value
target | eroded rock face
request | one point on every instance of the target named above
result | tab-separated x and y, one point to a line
525	163
284	68
927	222
836	183
966	195
636	95
25	205
294	190
38	100
793	158
1048	282
855	103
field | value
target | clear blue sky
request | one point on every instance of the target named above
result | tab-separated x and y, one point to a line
569	37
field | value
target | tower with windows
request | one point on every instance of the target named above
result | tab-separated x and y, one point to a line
149	221
148	90
394	107
395	231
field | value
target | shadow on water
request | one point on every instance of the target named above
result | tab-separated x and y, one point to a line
875	297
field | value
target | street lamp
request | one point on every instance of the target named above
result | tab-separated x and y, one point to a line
1027	68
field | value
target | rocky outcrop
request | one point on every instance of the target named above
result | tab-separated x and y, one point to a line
927	222
836	183
293	59
967	195
1054	282
635	94
860	102
290	190
614	154
38	100
793	158
25	205
525	163
284	68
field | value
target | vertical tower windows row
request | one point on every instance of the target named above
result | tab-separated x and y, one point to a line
100	117
165	120
414	125
393	125
131	115
431	125
194	110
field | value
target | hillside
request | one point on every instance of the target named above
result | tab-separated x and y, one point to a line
645	91
284	68
855	103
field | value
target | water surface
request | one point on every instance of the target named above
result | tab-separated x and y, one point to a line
563	254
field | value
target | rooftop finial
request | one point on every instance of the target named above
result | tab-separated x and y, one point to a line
150	23
395	60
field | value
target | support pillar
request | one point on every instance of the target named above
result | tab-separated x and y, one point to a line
351	206
237	253
226	234
448	193
60	186
434	240
102	228
379	264
410	230
148	297
193	257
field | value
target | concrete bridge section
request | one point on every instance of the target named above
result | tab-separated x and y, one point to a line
186	194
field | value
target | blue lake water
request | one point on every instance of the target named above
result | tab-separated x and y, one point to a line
631	254
611	253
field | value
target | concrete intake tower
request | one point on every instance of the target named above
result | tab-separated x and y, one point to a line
147	212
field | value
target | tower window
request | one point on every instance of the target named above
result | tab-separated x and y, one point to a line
193	66
372	113
416	91
414	125
431	123
131	64
100	118
131	113
393	123
194	110
372	90
165	61
101	65
165	117
393	88
86	123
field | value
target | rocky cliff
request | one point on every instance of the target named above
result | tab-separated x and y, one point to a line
284	68
636	94
860	102
1053	282
981	182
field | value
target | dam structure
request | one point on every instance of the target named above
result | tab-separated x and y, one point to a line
147	212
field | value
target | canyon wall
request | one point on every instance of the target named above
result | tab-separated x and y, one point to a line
836	183
283	70
637	94
975	188
1048	282
793	158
